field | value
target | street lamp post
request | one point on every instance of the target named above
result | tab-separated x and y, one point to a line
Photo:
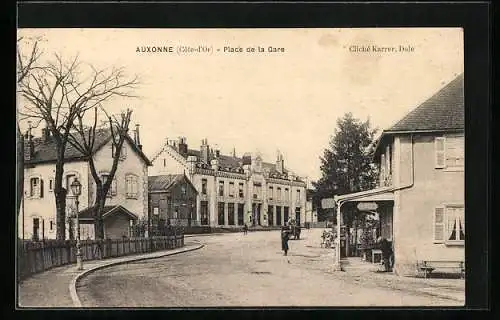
76	189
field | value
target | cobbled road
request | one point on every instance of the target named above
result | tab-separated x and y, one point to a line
244	270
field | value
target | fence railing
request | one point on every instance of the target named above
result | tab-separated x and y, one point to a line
37	256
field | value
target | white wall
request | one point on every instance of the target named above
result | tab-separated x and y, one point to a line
45	209
131	164
168	162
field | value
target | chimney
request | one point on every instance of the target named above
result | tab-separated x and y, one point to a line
192	164
29	146
216	151
137	139
205	151
280	163
183	147
234	152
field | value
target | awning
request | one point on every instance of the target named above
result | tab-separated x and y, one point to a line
379	194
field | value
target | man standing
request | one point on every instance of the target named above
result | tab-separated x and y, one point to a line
284	240
386	249
245	228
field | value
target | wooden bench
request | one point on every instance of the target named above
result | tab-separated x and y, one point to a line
427	266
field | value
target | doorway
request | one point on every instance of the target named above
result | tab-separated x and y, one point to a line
36	229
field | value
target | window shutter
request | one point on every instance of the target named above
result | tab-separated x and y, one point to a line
439	224
41	188
439	148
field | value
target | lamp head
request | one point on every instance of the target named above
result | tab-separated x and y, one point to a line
76	187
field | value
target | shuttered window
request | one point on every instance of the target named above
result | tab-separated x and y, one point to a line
449	151
454	151
132	187
439	149
449	224
36	188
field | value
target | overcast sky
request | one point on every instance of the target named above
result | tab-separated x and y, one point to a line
287	101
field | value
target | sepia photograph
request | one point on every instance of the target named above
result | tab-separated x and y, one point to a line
250	167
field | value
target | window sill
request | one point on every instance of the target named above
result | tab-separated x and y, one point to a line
131	197
453	169
455	243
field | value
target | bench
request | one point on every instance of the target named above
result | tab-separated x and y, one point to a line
427	266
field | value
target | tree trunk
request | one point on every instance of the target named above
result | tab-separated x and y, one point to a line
60	196
98	221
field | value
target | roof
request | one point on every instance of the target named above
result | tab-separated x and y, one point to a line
444	111
166	182
233	163
163	182
379	194
89	212
46	151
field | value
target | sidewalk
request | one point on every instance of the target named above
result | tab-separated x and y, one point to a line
56	288
364	273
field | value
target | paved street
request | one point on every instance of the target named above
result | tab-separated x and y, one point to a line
239	270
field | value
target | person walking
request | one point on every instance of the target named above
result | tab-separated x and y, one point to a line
245	229
284	240
386	249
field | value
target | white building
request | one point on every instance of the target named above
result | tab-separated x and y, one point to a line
233	190
127	197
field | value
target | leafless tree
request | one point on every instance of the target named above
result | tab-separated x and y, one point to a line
25	64
83	139
56	93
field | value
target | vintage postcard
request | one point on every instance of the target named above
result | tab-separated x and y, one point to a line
184	168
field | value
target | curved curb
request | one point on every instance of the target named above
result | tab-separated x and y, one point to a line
72	285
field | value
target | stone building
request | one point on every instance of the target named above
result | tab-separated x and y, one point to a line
172	200
234	190
127	197
420	195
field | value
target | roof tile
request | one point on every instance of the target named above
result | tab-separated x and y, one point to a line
444	110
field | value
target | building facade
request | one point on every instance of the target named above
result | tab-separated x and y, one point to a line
421	191
172	200
127	197
233	191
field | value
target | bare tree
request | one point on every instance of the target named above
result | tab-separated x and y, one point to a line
25	64
57	93
83	138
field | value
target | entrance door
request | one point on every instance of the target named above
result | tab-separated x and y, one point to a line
297	216
36	229
278	216
270	217
286	215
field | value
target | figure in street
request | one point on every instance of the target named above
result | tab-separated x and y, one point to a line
245	229
386	248
284	240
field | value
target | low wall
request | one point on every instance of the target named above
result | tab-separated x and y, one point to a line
37	256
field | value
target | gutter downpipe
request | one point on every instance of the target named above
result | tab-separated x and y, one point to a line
337	265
